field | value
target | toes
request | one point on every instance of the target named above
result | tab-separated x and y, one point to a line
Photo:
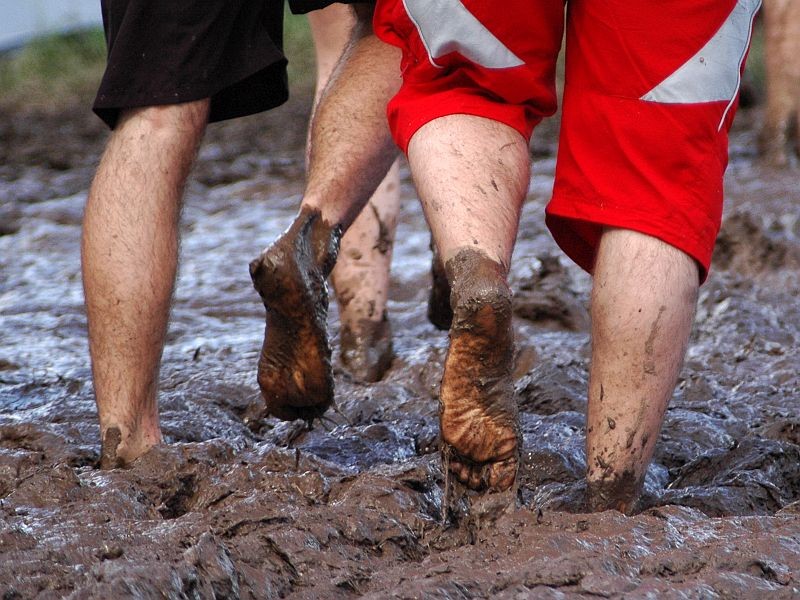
461	471
476	479
501	475
497	476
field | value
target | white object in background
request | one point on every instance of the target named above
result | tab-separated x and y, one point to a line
23	20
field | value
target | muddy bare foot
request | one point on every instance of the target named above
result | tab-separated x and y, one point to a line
116	452
439	312
294	370
478	415
367	349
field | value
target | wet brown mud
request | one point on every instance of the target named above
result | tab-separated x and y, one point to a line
353	507
440	314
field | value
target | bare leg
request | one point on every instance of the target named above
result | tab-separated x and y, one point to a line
643	303
782	115
350	148
129	259
472	201
351	151
361	282
361	276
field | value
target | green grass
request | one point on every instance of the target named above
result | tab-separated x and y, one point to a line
755	72
55	70
299	49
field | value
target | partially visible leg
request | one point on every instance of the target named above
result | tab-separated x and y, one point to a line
472	196
361	276
782	114
331	30
361	282
643	302
351	151
129	256
350	147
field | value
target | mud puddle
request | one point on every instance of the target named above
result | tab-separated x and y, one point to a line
353	507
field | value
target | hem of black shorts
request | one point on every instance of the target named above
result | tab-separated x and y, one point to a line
111	106
301	7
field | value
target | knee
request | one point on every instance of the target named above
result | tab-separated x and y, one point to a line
168	120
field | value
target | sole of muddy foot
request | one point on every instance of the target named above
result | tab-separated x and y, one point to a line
294	370
478	415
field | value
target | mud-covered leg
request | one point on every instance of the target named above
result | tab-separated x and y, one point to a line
294	370
478	414
361	283
472	195
345	170
782	114
643	302
361	276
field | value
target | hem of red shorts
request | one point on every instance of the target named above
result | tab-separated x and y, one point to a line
442	105
576	226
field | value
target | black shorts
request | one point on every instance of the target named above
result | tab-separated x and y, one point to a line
301	7
167	52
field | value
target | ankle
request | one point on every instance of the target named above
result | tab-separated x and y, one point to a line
325	241
121	444
613	490
366	348
480	298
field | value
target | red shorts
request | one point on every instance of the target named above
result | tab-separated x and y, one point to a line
650	93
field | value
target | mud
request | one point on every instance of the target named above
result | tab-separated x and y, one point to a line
353	507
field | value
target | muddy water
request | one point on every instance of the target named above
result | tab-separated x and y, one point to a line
259	509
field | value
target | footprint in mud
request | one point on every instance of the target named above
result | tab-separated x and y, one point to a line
783	429
687	434
549	389
10	219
